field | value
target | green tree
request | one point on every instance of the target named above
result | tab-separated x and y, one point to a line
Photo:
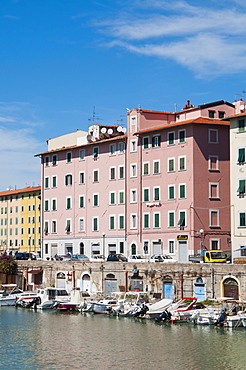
8	264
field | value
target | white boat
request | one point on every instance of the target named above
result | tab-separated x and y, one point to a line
105	306
48	297
25	299
8	294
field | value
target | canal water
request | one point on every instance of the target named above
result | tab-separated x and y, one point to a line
51	340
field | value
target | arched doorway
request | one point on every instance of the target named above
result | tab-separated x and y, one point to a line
81	248
110	284
230	287
167	287
86	283
134	249
199	290
61	280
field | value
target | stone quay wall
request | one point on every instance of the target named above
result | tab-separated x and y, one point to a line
125	276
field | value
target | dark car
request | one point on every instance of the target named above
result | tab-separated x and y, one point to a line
25	256
116	257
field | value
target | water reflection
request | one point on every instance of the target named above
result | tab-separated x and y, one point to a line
50	340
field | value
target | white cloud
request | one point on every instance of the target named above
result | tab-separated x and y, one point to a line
207	40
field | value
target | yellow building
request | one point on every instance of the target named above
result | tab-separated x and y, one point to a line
20	220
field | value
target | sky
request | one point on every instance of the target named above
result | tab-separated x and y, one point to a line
68	63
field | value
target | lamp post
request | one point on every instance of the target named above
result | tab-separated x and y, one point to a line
103	236
29	243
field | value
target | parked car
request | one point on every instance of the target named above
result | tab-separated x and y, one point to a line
116	257
79	257
168	259
25	256
138	258
162	258
97	257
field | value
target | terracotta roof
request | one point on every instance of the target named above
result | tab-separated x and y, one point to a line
119	137
235	116
199	120
153	111
18	191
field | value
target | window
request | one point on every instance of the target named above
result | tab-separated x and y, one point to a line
146	223
241	156
133	120
69	202
47	161
121	148
111	222
81	201
171	192
69	157
242	219
241	187
171	246
182	136
146	142
95	175
95	152
241	125
81	225
112	198
221	115
133	221
68	226
213	190
95	224
214	218
146	195
146	247
121	222
211	113
10	221
112	173
54	205
182	221
46	205
133	172
54	226
182	191
133	146
121	197
46	246
156	222
214	244
82	155
133	196
156	193
54	159
156	167
171	138
46	182
156	141
213	136
146	168
182	163
121	172
46	227
54	182
68	180
213	163
81	177
29	208
95	200
171	167
112	149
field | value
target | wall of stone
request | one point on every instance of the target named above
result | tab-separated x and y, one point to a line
149	275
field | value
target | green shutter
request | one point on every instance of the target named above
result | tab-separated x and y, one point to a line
182	219
146	143
112	223
241	188
81	202
121	197
241	125
241	155
171	219
112	198
156	194
157	220
182	191
171	192
121	222
146	221
242	219
146	195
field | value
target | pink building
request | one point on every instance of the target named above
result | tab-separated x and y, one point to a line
161	189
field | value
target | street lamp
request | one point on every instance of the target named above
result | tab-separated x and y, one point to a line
103	235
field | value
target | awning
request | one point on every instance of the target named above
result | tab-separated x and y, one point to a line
240	249
35	271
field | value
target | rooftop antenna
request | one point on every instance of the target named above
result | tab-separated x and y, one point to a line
175	107
94	116
242	95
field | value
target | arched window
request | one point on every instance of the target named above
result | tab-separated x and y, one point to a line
68	180
110	276
81	248
134	249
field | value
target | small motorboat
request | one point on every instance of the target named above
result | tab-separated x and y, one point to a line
9	294
48	297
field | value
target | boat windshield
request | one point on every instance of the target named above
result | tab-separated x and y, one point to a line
218	255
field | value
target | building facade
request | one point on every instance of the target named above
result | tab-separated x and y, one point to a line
20	220
163	188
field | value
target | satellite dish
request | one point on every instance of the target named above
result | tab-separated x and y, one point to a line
242	107
103	130
124	130
110	131
119	129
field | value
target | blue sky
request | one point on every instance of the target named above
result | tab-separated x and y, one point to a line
61	58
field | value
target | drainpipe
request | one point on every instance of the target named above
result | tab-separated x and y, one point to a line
126	281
